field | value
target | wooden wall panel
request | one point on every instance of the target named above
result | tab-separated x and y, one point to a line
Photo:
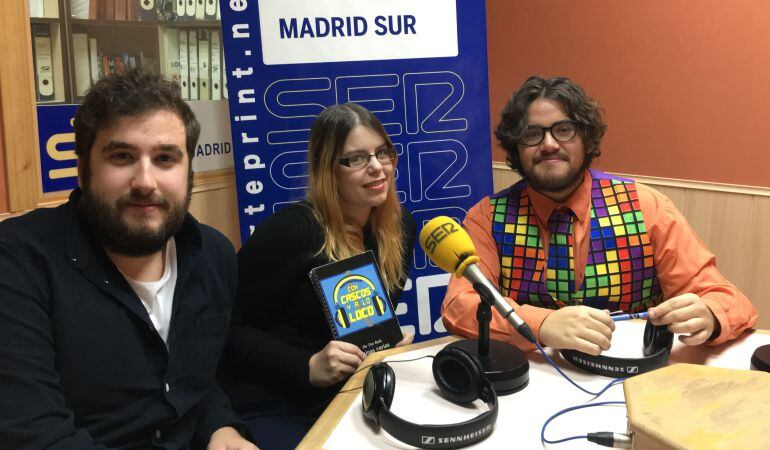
219	209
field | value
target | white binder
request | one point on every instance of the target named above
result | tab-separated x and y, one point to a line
180	11
216	66
184	66
224	77
204	58
147	10
93	57
82	66
200	10
170	55
192	43
190	9
211	9
36	8
41	47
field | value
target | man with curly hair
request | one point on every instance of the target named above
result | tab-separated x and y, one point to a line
568	244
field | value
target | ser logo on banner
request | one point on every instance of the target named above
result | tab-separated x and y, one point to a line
417	64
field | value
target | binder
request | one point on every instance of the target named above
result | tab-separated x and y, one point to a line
216	66
211	9
200	10
171	55
219	11
204	58
43	58
93	60
192	43
78	9
224	77
109	10
146	10
190	9
184	66
180	11
36	8
120	10
82	66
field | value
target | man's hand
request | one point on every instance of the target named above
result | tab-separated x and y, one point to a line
581	328
228	438
408	338
337	361
685	314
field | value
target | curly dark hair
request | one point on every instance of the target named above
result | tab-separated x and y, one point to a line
577	105
130	94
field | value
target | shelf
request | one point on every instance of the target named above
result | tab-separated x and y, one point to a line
50	20
114	23
192	24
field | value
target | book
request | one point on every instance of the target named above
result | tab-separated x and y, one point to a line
355	303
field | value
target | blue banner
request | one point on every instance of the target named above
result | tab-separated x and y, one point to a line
56	135
419	65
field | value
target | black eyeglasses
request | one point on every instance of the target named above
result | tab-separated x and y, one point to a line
359	160
562	131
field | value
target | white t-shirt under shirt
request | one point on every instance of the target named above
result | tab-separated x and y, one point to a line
158	296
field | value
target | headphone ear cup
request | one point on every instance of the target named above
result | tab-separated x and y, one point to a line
379	387
379	305
458	374
341	318
657	338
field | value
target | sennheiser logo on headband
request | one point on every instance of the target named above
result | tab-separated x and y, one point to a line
607	367
456	439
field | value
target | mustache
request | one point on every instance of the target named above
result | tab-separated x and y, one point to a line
136	198
540	157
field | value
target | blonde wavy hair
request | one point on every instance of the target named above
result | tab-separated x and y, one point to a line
327	139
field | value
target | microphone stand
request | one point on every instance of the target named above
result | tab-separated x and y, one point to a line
505	365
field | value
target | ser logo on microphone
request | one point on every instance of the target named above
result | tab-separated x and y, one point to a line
438	235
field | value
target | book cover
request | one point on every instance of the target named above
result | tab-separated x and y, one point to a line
355	303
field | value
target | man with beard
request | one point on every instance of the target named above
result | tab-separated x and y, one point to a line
566	245
114	306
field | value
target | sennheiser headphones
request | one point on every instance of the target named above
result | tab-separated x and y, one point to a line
460	377
657	345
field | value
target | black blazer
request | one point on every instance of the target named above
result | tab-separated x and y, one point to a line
278	321
82	366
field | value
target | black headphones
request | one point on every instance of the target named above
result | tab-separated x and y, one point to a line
657	345
460	377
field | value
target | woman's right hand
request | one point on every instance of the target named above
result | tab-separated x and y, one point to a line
335	362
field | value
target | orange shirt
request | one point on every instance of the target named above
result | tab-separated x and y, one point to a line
683	264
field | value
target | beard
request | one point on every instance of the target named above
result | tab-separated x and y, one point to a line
552	182
106	222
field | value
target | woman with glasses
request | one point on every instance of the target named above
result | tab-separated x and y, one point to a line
281	366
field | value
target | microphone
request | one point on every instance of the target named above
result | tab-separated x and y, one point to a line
449	246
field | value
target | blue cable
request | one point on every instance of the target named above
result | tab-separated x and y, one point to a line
595	394
566	410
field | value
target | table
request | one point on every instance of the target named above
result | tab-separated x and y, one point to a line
522	414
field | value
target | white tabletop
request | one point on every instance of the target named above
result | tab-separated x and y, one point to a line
522	414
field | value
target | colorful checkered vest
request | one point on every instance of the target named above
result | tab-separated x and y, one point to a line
619	273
